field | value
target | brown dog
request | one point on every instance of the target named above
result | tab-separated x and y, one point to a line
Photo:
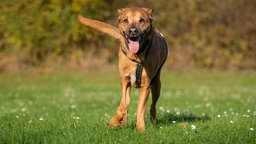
142	54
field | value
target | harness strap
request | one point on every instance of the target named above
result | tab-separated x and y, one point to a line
138	73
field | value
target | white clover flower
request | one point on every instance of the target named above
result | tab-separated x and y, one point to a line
24	109
218	116
245	115
208	104
193	127
41	119
106	115
225	113
176	109
173	122
161	108
30	121
17	116
251	129
73	106
231	122
76	118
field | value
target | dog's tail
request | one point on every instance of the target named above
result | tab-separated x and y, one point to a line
101	26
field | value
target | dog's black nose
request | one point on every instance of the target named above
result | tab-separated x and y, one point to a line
133	30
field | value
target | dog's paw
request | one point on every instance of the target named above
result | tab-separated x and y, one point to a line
140	127
153	120
114	123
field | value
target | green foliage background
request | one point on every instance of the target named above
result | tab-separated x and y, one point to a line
200	34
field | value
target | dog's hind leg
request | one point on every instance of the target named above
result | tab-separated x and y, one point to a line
155	89
122	112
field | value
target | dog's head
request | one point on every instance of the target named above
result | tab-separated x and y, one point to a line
135	24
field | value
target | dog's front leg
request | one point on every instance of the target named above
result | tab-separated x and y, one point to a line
122	111
142	106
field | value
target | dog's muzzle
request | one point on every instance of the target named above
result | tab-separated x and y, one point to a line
133	36
133	33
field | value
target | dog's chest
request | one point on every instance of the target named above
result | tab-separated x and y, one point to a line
133	80
136	76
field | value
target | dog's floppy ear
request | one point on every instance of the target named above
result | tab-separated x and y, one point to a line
149	12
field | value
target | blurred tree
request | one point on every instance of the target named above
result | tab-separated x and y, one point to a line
212	34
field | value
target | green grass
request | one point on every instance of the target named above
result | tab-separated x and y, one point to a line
75	108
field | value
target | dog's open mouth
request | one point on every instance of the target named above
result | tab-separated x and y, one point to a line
134	44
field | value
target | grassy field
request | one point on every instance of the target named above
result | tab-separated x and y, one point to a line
205	107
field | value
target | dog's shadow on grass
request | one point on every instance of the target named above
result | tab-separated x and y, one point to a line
173	118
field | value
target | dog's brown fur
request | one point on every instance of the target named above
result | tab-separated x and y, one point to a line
152	55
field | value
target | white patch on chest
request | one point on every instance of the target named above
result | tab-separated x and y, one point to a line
133	78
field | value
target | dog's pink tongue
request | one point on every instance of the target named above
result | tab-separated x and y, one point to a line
134	46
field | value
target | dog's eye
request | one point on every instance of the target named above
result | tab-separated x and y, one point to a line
126	21
141	20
